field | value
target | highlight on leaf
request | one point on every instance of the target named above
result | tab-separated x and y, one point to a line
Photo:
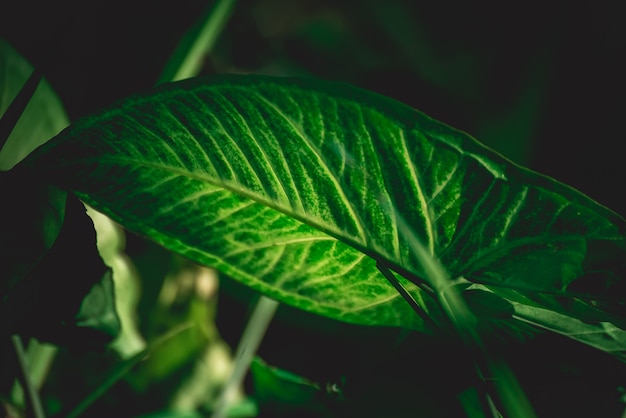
285	185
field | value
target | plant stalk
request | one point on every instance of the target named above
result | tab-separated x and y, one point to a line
33	401
406	295
251	339
509	393
186	60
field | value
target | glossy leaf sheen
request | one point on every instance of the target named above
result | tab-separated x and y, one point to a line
295	187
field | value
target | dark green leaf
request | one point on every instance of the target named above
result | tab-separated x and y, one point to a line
282	393
67	298
97	310
295	186
487	304
31	215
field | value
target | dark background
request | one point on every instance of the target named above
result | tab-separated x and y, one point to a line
469	64
541	82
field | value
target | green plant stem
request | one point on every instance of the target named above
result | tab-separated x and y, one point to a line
119	371
111	379
406	295
250	341
186	61
32	397
486	402
509	393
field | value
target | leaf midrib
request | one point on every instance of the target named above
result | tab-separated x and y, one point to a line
338	235
233	188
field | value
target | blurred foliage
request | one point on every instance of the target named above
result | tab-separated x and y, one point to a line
541	83
43	116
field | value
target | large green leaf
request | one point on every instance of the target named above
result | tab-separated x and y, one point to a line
296	187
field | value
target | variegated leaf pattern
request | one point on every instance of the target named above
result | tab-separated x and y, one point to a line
296	187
